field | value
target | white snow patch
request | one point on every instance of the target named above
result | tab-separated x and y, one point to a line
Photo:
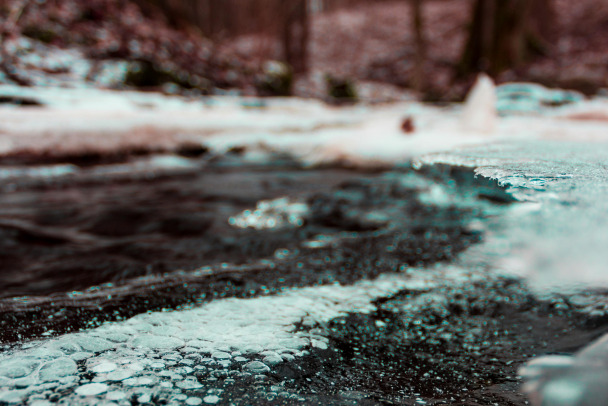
101	120
268	214
479	112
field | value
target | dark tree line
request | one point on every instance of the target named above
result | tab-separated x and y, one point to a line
502	33
215	19
505	33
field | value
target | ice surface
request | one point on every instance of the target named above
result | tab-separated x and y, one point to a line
257	333
557	242
272	359
553	161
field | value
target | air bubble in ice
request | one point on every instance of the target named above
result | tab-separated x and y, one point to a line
273	359
194	357
184	370
189	383
287	357
193	401
93	344
211	399
92	389
256	367
271	214
104	367
119	375
252	349
15	370
172	356
116	395
135	366
56	369
12	396
68	347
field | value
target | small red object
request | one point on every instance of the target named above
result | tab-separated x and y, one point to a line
407	125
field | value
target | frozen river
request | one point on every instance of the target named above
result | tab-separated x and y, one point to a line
164	251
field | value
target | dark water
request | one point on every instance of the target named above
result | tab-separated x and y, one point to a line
76	233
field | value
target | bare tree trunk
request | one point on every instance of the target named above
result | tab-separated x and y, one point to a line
418	26
506	33
295	34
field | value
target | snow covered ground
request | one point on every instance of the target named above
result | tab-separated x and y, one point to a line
552	161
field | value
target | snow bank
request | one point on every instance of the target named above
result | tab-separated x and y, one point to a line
91	120
558	241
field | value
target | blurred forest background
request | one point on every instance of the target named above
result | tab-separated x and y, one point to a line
332	49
